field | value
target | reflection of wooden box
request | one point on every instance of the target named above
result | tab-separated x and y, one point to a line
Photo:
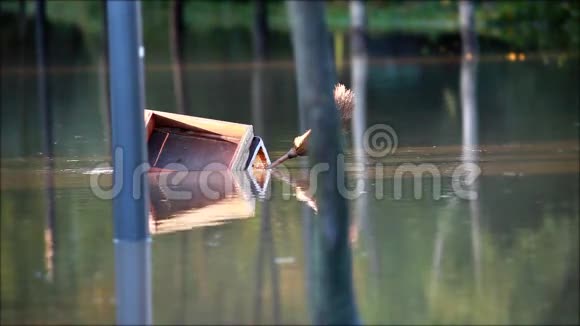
201	198
177	141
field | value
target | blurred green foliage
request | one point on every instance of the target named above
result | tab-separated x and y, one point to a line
531	25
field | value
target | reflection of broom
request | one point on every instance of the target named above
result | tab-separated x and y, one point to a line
344	100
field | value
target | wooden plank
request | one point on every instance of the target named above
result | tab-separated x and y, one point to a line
149	124
226	128
241	154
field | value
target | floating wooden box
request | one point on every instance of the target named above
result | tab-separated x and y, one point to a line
175	141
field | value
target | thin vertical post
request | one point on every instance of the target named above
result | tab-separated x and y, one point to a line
130	206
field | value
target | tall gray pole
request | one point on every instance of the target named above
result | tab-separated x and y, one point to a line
130	207
126	53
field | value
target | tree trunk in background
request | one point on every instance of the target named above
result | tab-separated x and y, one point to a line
329	258
467	28
260	43
42	80
176	47
313	58
257	101
21	18
260	30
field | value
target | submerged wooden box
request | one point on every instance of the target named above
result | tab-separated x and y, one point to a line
177	141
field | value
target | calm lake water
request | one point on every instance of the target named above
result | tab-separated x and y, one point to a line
509	257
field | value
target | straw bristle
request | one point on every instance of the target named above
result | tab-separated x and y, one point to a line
344	99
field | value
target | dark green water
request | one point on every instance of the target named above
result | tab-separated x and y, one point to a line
509	257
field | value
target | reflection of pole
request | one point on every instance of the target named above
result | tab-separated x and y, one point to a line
259	272
474	210
184	262
266	250
273	271
442	231
332	274
176	46
50	221
132	245
133	282
311	256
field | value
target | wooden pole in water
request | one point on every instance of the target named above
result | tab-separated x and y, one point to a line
130	209
330	261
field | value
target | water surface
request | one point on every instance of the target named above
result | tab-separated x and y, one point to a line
509	257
